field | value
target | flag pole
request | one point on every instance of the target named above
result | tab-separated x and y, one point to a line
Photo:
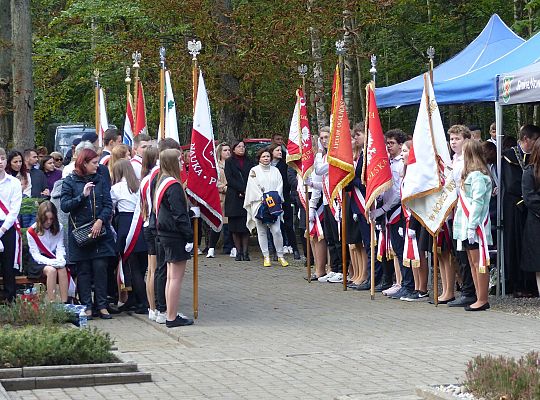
373	72
162	93
302	71
136	57
340	51
194	48
96	101
128	85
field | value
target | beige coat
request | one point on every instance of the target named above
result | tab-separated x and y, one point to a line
222	188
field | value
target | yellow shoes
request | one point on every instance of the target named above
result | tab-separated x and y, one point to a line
267	262
283	262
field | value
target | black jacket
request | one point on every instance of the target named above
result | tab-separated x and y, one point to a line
236	186
81	212
530	260
283	167
173	218
39	182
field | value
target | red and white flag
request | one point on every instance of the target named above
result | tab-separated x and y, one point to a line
300	154
140	112
340	156
429	191
376	173
103	120
129	123
203	172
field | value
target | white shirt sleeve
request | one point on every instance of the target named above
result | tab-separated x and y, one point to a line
321	167
14	205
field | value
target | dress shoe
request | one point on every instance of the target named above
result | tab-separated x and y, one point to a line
239	257
461	301
313	278
481	308
296	255
443	301
246	257
105	316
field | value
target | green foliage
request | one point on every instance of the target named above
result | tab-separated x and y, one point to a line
49	345
501	377
37	311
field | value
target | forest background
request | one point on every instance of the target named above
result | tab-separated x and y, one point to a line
251	51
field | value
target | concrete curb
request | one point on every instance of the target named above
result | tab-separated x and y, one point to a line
430	393
61	370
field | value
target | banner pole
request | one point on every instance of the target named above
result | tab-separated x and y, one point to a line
96	101
162	93
127	80
344	238
372	259
136	57
373	72
435	272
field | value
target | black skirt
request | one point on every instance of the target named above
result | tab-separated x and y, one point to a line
173	249
238	225
122	229
425	241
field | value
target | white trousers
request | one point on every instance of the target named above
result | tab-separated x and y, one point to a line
275	229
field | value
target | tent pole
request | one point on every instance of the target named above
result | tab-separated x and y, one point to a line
501	281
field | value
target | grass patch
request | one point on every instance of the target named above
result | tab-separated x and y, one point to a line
53	345
504	378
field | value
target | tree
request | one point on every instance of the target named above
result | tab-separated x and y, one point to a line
5	72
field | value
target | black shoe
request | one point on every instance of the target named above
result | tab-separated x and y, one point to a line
246	257
463	301
363	286
296	254
313	278
239	257
382	286
105	316
481	308
443	301
179	321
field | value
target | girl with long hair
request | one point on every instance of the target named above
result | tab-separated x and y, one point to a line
125	196
472	226
119	152
51	172
46	247
174	231
17	168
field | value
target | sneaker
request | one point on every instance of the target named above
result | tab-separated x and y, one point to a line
266	262
337	278
233	252
152	314
325	278
161	317
393	290
199	251
416	296
283	262
400	293
210	253
178	321
412	295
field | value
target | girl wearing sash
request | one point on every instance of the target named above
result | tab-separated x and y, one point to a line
472	227
46	247
174	231
125	196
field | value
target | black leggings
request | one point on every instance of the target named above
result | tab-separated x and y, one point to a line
7	257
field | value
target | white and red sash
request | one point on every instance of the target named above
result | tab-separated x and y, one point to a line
301	192
411	255
131	240
358	198
17	262
385	245
160	191
145	189
480	232
444	236
105	159
136	160
394	217
315	227
46	252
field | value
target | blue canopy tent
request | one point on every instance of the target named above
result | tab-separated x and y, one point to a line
495	40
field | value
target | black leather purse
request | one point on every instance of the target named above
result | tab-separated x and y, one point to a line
83	233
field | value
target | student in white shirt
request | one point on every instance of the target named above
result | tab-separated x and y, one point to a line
140	143
10	204
125	198
46	247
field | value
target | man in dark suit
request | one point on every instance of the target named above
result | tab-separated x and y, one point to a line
37	177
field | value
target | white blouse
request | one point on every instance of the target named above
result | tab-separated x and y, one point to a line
121	196
54	243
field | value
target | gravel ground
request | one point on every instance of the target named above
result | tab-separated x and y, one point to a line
522	306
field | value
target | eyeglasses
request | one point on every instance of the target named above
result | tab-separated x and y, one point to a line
58	159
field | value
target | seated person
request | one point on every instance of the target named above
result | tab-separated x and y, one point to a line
46	246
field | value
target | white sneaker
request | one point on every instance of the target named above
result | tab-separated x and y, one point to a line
325	278
289	250
233	252
210	253
152	314
199	251
337	278
161	317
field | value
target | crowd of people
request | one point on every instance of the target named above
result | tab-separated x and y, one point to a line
85	228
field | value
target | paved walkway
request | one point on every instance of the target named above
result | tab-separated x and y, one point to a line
264	333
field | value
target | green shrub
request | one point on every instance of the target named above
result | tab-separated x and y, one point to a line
42	312
53	345
502	377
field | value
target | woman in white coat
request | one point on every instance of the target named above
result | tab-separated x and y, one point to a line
264	178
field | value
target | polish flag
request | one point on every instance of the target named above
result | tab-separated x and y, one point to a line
140	112
203	171
129	123
103	120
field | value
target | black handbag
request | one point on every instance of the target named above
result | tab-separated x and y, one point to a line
83	233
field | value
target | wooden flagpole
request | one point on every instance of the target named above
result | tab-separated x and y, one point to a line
128	87
162	104
373	244
96	101
194	48
136	57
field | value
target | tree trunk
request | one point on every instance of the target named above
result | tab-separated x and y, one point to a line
348	66
5	72
361	91
318	76
232	115
23	86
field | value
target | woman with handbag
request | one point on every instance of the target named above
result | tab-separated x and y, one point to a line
86	196
237	169
263	192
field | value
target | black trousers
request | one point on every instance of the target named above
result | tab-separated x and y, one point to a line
7	258
88	271
467	285
288	226
138	263
333	243
160	278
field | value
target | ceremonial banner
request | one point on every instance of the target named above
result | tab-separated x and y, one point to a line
129	123
202	174
171	125
300	154
340	156
429	190
140	112
376	173
103	121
